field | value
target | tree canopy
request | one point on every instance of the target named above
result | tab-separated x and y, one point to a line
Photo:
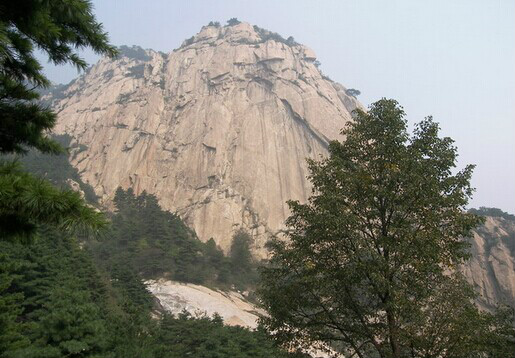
370	264
155	243
353	92
58	29
56	301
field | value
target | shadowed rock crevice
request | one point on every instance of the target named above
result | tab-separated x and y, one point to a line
324	142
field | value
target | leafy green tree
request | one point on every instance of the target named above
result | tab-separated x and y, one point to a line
57	28
370	265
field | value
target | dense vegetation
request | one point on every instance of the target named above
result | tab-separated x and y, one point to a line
56	168
57	29
63	295
81	297
153	242
156	243
56	302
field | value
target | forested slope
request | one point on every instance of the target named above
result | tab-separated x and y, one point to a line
72	295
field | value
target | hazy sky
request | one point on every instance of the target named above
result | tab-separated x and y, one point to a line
454	60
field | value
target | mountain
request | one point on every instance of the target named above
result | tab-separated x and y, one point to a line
219	129
491	268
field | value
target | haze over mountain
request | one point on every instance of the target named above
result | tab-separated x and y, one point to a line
218	130
461	74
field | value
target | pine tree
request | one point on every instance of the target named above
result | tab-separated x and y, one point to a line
26	202
56	28
69	324
10	308
62	303
241	258
243	267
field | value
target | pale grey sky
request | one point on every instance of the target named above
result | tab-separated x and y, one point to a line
454	60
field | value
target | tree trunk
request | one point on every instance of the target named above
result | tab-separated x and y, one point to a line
393	334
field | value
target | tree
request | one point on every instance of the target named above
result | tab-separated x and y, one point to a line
240	255
233	21
370	264
10	307
186	336
353	92
243	267
69	325
27	201
61	300
214	23
57	28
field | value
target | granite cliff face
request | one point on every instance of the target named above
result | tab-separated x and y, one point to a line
218	129
491	269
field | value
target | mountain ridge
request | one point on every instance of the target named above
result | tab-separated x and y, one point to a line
218	129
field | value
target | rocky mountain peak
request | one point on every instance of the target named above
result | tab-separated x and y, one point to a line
243	33
218	129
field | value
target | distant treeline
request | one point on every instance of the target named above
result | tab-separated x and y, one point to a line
495	212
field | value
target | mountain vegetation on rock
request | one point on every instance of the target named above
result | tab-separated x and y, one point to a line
54	299
148	241
64	295
157	244
57	301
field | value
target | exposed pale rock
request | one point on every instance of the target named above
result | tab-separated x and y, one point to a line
308	53
200	301
491	269
218	130
75	187
176	297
